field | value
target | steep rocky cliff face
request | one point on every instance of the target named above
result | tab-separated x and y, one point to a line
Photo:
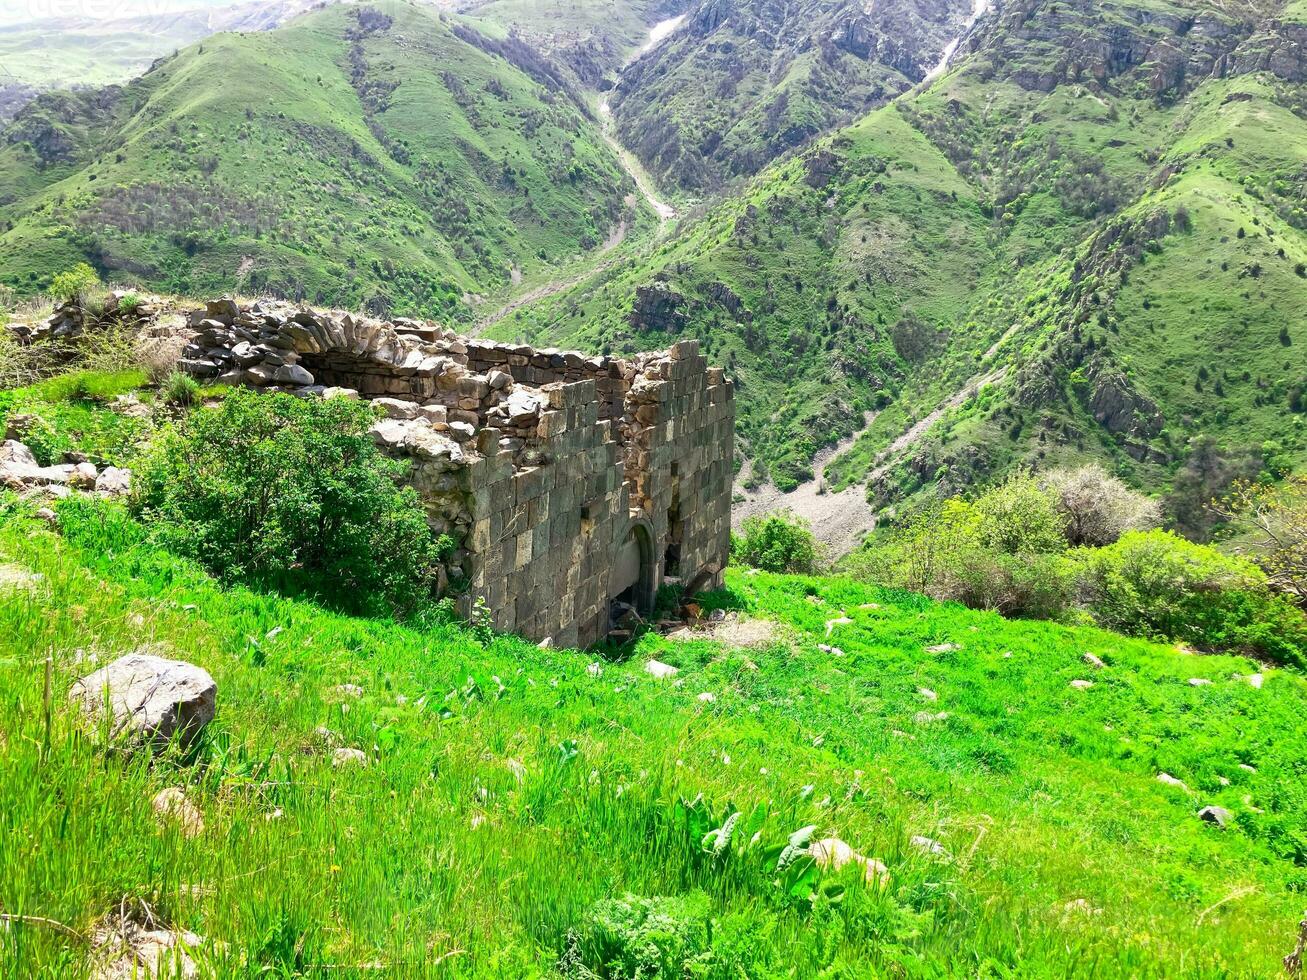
589	39
740	83
1163	50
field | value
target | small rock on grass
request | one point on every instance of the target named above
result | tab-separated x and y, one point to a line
348	757
837	621
148	698
944	648
1168	780
122	949
1218	815
1093	660
929	845
832	854
1080	684
660	670
171	806
1199	682
928	694
1080	906
18	577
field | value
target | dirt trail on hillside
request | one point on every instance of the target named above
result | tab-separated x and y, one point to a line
644	184
919	428
839	519
615	238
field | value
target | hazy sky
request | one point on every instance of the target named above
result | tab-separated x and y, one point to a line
15	11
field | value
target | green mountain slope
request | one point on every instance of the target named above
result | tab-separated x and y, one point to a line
372	156
1098	210
738	84
1050	846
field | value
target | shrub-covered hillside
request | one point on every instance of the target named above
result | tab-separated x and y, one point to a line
1022	822
1096	212
376	156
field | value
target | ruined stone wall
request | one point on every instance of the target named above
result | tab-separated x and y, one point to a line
568	481
529	366
544	535
679	430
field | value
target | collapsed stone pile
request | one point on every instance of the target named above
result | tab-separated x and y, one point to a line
71	319
20	471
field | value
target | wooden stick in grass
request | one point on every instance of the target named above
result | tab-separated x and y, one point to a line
40	920
48	703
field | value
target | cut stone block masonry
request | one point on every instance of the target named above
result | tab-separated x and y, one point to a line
576	486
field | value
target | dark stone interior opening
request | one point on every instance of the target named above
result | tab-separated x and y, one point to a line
631	586
338	369
675	533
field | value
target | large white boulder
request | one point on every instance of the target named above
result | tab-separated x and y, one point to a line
148	698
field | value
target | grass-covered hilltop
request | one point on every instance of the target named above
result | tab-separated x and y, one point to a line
817	774
379	157
511	811
654	490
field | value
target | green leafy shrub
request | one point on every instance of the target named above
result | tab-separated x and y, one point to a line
292	494
1020	517
1158	585
1001	552
73	284
650	938
179	388
778	542
67	413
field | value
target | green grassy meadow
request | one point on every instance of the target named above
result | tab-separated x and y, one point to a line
510	791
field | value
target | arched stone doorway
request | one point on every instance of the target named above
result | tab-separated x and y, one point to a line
634	581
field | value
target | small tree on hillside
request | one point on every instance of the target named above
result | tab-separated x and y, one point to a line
1276	516
1208	473
1098	507
1021	516
292	494
778	542
74	284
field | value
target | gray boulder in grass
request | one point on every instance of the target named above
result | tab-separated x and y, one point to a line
149	699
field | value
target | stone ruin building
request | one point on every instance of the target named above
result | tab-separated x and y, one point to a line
576	486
